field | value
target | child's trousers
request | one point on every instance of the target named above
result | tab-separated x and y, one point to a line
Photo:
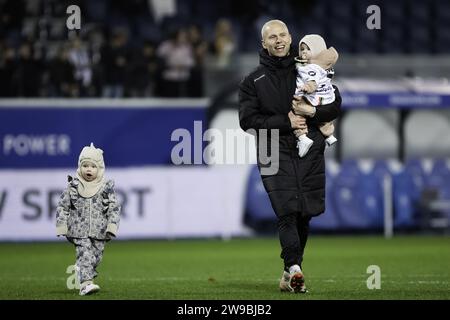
89	255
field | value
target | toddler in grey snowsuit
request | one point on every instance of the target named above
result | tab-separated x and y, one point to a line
88	215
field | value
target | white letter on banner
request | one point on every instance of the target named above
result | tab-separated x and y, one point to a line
183	147
7	143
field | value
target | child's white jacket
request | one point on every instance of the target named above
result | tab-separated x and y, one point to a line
78	217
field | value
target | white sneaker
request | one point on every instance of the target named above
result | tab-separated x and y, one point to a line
304	144
294	282
89	289
330	140
285	282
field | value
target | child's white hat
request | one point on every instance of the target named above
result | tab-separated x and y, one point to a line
93	154
315	43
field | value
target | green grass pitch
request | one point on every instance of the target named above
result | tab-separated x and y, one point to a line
335	268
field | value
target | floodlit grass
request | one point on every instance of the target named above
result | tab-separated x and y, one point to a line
335	268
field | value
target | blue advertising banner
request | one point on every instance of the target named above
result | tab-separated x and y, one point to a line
35	137
394	100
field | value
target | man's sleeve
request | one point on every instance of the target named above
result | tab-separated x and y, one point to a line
250	116
329	112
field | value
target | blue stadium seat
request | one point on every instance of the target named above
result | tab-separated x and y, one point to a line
406	199
414	169
329	220
371	199
358	198
439	178
405	194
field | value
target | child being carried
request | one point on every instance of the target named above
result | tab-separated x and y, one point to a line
314	72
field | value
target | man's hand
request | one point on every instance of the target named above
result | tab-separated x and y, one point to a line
300	132
297	122
302	108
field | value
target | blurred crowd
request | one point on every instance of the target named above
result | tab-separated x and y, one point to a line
45	59
144	48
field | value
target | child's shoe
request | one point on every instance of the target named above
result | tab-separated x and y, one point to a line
88	287
304	144
330	140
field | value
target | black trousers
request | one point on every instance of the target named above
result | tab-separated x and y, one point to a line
293	231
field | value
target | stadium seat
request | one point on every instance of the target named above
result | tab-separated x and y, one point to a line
357	197
439	178
405	194
406	200
329	220
415	168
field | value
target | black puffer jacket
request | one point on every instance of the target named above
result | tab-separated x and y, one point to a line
265	99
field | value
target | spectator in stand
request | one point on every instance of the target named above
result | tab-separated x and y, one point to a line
224	43
115	63
178	60
143	72
7	71
200	47
80	58
62	80
29	71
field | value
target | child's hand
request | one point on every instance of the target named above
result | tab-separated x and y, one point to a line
309	87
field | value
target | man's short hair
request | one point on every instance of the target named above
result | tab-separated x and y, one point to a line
270	22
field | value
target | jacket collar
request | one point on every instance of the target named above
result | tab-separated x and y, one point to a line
272	62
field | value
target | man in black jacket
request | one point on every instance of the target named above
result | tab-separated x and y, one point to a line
297	190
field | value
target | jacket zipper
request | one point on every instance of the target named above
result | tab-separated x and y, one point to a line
90	218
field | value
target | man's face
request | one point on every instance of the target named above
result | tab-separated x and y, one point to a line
89	171
276	39
304	52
